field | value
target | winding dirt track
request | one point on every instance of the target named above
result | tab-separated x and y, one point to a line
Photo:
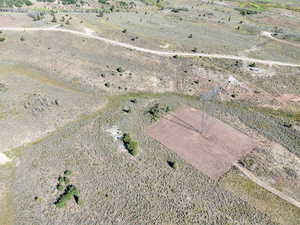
154	52
267	186
269	35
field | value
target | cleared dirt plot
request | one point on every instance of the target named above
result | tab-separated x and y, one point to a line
30	108
212	150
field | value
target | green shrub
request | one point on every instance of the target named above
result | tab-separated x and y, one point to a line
19	4
60	187
134	151
100	14
292	173
246	11
173	164
66	180
27	2
130	145
120	69
67	172
156	111
126	138
60	204
60	180
54	20
68	2
70	192
2	39
297	116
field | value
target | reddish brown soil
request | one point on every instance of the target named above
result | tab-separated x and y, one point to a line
212	151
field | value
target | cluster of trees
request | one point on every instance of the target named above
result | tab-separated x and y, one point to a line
15	3
70	191
46	0
68	2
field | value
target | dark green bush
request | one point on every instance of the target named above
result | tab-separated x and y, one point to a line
66	180
61	180
292	173
19	3
120	70
2	39
130	145
68	2
67	172
27	2
173	164
70	192
156	111
60	187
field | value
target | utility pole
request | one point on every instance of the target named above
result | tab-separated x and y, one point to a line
208	106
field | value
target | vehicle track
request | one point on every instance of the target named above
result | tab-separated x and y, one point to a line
266	186
150	51
269	35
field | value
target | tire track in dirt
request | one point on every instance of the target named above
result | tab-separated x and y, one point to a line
267	186
150	51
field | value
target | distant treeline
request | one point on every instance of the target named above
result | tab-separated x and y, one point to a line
25	10
15	3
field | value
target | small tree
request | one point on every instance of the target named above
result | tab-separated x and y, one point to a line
130	145
67	172
60	187
66	180
54	20
100	14
173	164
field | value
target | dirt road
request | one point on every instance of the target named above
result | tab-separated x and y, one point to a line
154	52
269	35
267	186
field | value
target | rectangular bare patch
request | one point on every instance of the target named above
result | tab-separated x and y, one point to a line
212	151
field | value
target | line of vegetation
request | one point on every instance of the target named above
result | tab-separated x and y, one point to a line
15	3
254	7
